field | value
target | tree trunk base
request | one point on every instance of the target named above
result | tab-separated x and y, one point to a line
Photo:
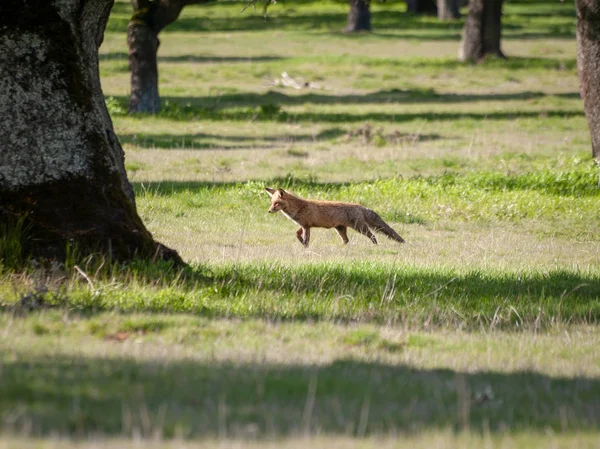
482	32
80	216
494	54
359	17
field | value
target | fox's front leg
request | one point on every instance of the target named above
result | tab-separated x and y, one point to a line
304	239
306	236
299	235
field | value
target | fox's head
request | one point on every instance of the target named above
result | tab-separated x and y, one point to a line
279	199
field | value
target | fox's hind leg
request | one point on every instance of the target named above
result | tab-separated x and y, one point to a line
341	230
364	230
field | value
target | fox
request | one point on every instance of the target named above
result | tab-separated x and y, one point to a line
328	214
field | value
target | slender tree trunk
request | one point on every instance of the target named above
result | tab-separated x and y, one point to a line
61	165
149	18
359	17
143	42
588	62
422	6
448	9
482	31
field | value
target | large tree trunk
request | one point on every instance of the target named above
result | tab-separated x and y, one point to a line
482	31
359	17
61	165
588	62
421	6
448	9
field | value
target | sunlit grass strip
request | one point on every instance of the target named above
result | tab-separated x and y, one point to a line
543	196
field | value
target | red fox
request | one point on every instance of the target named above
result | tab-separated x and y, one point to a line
328	214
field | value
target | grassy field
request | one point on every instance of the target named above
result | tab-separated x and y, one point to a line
480	331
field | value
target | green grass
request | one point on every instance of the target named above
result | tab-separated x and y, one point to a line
480	331
184	376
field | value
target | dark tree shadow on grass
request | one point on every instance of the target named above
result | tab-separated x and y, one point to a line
392	96
471	299
222	101
513	63
251	114
199	141
80	396
195	59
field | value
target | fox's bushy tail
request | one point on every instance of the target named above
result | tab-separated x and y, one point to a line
378	225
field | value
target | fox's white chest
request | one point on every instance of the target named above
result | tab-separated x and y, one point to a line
289	217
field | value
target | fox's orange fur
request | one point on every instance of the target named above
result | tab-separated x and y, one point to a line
328	214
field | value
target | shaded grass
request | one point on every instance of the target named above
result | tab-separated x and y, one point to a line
178	108
117	61
165	376
364	291
269	399
223	142
211	109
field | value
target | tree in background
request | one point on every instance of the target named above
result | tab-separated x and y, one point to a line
422	6
482	31
448	9
148	19
359	17
588	61
62	173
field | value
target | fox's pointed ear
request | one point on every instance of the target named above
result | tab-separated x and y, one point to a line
270	191
282	193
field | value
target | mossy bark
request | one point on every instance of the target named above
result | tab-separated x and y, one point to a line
61	165
482	32
588	65
359	17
